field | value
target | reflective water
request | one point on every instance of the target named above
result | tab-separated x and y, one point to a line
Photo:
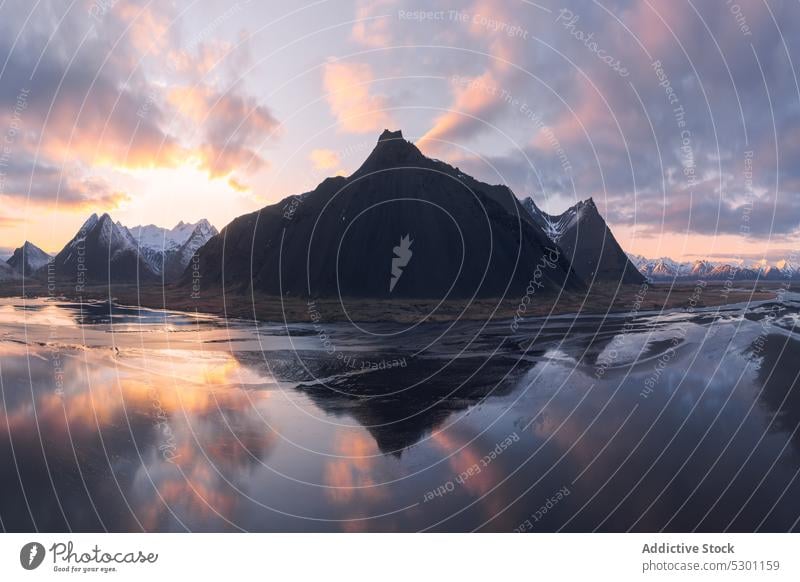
126	419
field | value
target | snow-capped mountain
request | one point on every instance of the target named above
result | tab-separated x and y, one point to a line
28	258
664	269
156	237
700	268
104	250
660	268
555	226
587	242
169	251
200	235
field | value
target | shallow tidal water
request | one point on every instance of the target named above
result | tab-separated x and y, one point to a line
127	419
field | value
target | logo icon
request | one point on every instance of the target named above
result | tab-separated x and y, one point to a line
402	256
31	555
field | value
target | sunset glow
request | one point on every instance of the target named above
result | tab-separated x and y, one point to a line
154	115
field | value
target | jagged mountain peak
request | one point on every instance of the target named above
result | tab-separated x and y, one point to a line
90	222
471	239
105	250
666	268
203	226
28	258
586	240
555	225
391	151
163	239
388	135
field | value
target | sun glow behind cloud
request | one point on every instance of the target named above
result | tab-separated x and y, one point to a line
183	193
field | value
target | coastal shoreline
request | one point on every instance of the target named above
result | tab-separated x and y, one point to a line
598	300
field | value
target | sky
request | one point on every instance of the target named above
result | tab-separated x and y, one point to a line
681	119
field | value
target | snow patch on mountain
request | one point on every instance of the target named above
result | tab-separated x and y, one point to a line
157	251
163	239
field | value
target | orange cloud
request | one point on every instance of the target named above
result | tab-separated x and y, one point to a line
233	126
119	128
350	100
324	159
477	99
50	186
471	98
237	185
208	55
148	29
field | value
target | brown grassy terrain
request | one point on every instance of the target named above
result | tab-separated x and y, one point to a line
601	299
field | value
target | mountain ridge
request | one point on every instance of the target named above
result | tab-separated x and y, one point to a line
469	238
28	259
587	241
103	250
667	269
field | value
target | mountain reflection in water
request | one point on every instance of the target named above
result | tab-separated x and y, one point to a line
124	419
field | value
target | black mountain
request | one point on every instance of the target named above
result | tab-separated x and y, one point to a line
402	225
587	242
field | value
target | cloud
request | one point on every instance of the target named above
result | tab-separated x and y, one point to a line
708	212
45	185
373	28
474	100
116	129
324	159
149	31
237	185
104	102
626	142
495	42
357	110
233	126
201	61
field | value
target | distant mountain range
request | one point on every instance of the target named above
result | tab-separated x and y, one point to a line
402	226
103	250
666	269
169	251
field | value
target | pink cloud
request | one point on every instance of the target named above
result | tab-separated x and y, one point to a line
350	99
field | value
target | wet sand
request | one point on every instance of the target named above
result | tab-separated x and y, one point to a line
600	299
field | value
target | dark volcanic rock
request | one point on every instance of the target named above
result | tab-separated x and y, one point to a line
586	241
402	225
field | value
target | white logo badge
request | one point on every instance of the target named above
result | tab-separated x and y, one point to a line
402	256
